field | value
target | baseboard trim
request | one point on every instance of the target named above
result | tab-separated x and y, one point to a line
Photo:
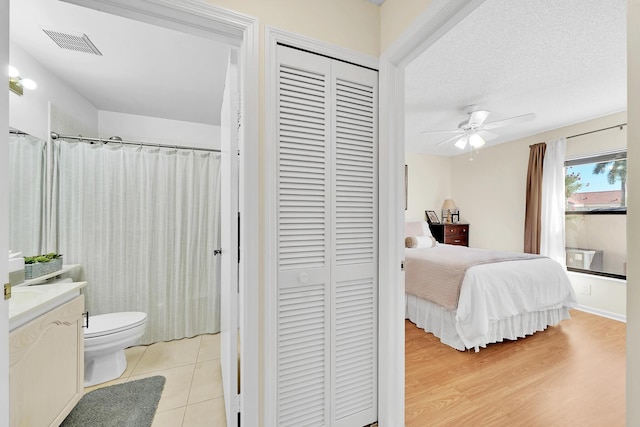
602	313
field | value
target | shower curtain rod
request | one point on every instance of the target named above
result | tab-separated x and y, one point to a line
117	140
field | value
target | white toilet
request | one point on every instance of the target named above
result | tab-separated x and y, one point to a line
104	342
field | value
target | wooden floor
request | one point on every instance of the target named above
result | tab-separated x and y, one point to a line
569	375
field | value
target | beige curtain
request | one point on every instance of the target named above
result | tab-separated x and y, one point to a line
533	216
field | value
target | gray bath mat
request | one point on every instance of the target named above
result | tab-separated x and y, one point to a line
131	404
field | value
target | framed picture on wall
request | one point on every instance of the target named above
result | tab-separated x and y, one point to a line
432	217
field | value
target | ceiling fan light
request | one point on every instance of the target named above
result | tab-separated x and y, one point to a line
462	142
476	141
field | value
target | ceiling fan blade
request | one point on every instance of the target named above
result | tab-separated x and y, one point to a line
453	138
477	118
486	135
510	121
456	131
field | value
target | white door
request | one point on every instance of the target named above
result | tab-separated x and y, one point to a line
229	310
327	242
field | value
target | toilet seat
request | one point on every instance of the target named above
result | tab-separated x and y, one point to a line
111	323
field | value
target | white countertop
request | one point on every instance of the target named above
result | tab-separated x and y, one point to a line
29	302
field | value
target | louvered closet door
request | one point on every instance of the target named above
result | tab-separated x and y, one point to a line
303	240
327	242
354	266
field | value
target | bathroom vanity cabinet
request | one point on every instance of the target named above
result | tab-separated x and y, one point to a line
46	366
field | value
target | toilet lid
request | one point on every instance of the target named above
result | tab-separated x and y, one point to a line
104	324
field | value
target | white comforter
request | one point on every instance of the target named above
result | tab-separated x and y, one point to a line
507	295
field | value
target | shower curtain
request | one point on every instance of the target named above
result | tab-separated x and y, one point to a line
27	177
143	222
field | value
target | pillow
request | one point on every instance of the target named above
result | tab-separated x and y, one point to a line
420	242
416	228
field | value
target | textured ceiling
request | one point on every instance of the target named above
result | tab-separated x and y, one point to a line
145	69
564	60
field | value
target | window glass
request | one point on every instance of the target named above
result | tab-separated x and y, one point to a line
598	183
595	214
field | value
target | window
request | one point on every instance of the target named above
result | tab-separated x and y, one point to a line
595	214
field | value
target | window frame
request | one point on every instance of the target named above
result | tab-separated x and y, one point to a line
597	158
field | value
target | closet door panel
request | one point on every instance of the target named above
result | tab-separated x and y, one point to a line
303	239
354	267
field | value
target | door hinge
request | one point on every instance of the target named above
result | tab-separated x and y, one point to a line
401	265
239	402
7	291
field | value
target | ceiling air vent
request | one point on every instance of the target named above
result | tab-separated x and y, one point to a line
78	41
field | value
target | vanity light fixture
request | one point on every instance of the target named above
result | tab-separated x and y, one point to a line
17	84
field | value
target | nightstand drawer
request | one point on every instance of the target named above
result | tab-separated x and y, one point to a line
451	234
456	240
455	230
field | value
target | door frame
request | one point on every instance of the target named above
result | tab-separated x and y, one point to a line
439	17
4	220
240	31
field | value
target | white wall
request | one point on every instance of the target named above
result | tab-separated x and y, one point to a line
30	112
490	192
154	130
633	218
606	296
429	184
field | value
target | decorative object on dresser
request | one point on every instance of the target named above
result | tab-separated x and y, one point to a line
448	210
432	217
451	234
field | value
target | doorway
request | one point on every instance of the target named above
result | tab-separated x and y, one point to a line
239	33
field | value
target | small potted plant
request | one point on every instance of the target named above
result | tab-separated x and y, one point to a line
39	265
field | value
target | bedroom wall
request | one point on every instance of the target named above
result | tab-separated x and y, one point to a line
490	192
429	184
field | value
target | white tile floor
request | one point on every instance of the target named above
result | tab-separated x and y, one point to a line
192	395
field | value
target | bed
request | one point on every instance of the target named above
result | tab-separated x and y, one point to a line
469	298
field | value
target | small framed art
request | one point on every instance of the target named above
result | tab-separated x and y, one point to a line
432	217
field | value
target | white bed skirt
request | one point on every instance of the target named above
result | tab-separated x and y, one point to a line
442	322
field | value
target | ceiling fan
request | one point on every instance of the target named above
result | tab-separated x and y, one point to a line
474	130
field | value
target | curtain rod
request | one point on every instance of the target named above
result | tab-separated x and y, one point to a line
598	130
117	140
593	131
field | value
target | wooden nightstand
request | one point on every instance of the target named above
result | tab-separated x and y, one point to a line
452	234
